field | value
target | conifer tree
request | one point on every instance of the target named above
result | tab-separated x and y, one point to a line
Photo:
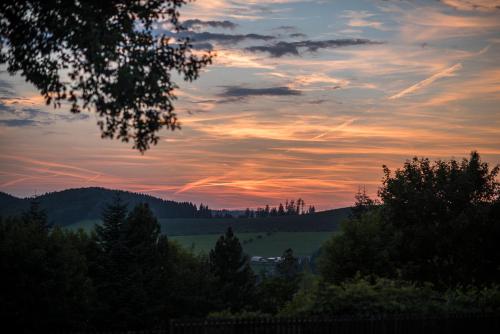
113	220
109	267
281	210
36	215
143	267
235	279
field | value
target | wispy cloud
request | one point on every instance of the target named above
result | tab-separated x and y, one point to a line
363	19
430	24
15	114
18	122
237	91
195	23
221	38
293	48
450	71
474	5
199	183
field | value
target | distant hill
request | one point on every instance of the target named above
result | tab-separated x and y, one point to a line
70	206
82	208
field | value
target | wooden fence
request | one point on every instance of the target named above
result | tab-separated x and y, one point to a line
472	323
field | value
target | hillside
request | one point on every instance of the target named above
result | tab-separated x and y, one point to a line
320	221
73	205
81	208
323	221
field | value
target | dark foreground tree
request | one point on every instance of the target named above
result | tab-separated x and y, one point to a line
274	292
108	263
110	233
438	222
446	220
106	56
36	215
234	279
45	285
130	269
145	248
363	246
362	297
288	266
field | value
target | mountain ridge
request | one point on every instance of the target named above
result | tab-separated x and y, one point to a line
68	206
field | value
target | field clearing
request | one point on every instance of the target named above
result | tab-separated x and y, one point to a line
87	225
255	244
302	243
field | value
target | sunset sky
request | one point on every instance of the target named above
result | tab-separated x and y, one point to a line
306	98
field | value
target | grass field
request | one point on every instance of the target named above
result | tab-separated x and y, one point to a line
302	243
86	225
255	244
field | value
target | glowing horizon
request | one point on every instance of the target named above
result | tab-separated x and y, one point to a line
392	80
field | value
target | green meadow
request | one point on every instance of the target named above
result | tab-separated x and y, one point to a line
254	243
260	244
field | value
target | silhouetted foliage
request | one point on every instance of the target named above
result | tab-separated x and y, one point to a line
36	215
204	211
45	284
438	223
110	233
291	208
362	204
235	280
367	298
274	292
446	220
106	56
363	246
108	264
288	266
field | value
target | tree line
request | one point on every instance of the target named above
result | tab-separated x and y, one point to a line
291	208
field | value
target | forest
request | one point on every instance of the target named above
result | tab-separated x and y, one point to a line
429	245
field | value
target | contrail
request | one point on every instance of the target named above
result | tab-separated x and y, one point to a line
424	83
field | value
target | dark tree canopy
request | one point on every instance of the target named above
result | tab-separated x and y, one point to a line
438	222
104	56
288	267
234	276
446	219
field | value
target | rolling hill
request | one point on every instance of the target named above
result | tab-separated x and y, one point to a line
70	206
81	208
